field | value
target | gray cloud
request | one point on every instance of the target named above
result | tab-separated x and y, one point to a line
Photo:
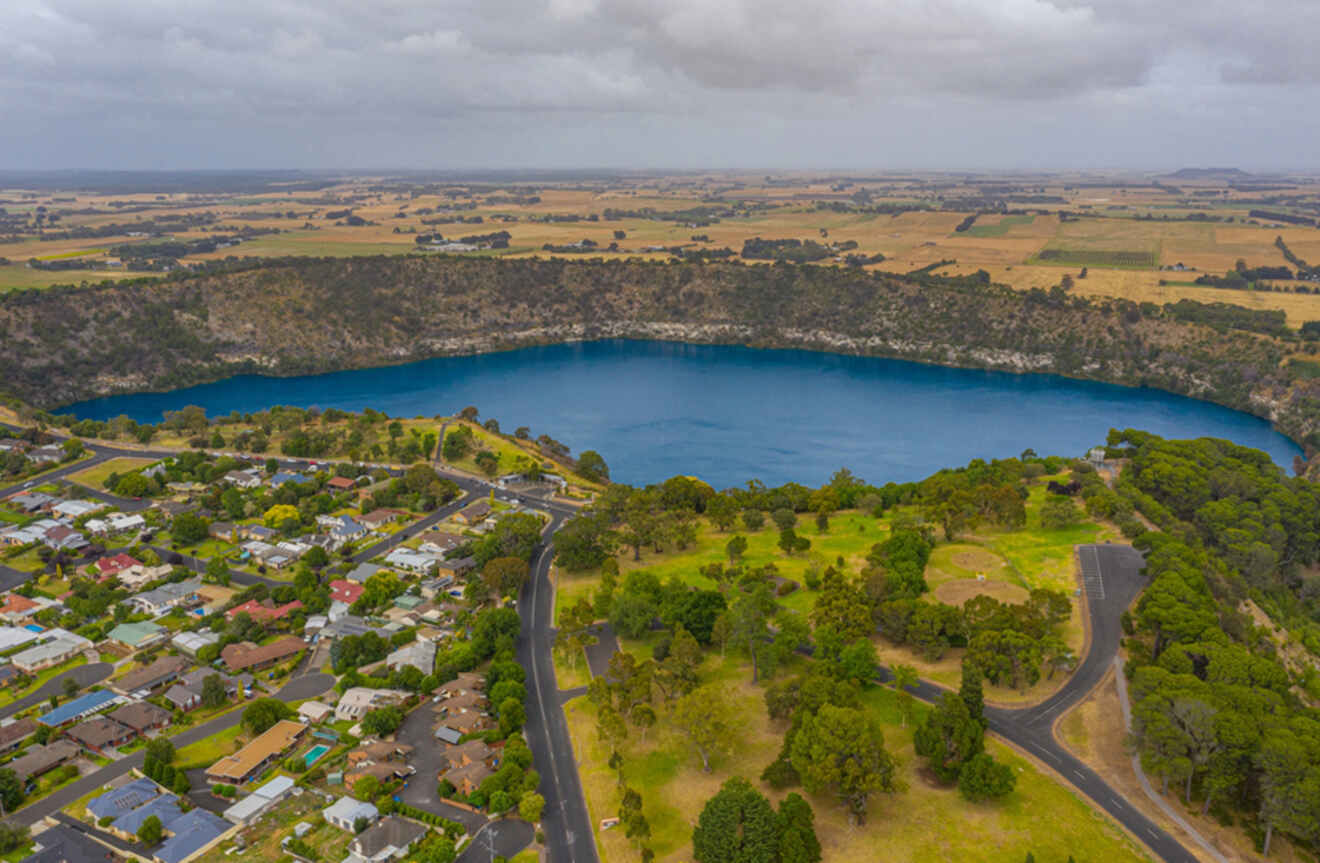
755	83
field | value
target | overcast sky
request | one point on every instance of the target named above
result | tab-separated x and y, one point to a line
758	84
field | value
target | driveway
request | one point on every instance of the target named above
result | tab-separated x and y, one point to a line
428	758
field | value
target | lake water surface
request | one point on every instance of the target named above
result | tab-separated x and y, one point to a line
730	414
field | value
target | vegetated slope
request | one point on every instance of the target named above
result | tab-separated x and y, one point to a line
308	315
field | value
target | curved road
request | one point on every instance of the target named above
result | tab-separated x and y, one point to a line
85	675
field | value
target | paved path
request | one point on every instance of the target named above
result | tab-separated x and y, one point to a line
428	758
86	675
297	689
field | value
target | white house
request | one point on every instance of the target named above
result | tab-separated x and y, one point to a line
413	561
345	812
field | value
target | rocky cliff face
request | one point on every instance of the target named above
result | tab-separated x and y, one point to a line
311	315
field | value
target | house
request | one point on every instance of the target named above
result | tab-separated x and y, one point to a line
362	572
454	569
187	693
441	542
341	483
358	700
138	635
284	476
345	591
468	721
315	712
189	643
412	561
250	478
112	566
293	548
462	702
189	834
72	509
42	759
447	735
223	531
139	577
419	654
257	531
472	752
380	517
123	799
123	522
347	531
251	807
264	612
63	844
181	594
349	624
432	587
62	647
159	673
387	839
246	656
15	731
141	717
87	704
473	514
97	735
467	778
251	759
63	538
18	608
466	681
34	501
345	812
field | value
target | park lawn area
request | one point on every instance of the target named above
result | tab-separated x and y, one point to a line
10	517
10	695
510	454
924	823
205	752
94	477
264	836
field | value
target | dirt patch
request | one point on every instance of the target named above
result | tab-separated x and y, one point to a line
959	591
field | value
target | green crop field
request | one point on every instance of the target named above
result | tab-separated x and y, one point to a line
1097	258
1000	228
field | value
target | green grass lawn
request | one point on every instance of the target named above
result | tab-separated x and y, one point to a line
94	477
923	823
204	753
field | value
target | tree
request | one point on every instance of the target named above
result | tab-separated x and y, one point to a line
70	687
280	515
189	528
531	806
797	826
13	836
316	558
784	518
737	824
11	789
592	466
905	677
842	750
487	462
217	571
949	737
1058	512
983	778
858	662
151	831
214	693
707	718
263	713
383	721
722	510
160	750
790	543
366	788
735	548
584	542
971	692
504	576
753	519
748	624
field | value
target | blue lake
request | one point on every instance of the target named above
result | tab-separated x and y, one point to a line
730	414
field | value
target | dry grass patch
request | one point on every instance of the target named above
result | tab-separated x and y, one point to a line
958	592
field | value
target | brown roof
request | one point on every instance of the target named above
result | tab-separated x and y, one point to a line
248	655
270	743
98	732
39	759
468	680
462	701
341	482
158	672
466	753
16	731
379	751
466	723
476	511
141	715
474	773
384	771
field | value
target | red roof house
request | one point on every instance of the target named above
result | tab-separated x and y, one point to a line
345	591
260	612
108	566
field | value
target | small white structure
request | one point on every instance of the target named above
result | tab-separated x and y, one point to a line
315	712
345	812
252	806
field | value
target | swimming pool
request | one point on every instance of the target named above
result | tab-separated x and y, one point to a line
314	754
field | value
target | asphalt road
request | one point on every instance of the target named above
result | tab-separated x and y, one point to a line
427	759
499	838
86	675
298	688
566	822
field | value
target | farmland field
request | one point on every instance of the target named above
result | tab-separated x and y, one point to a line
1028	233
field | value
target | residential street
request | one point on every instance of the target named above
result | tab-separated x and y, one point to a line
86	675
